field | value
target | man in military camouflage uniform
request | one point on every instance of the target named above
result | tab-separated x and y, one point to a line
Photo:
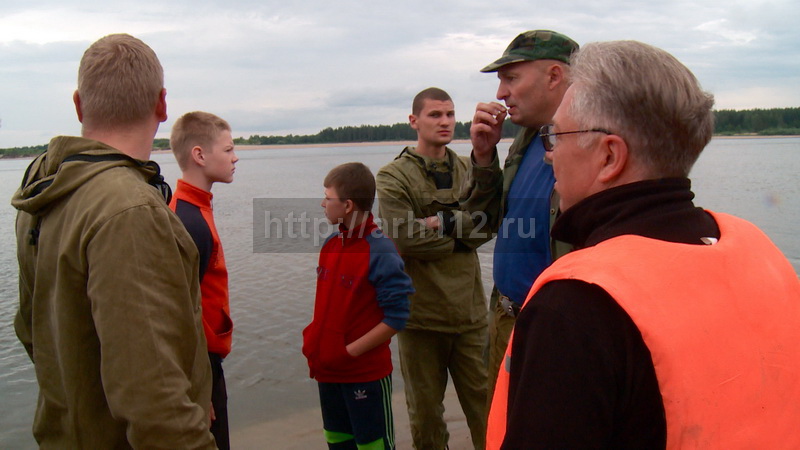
534	74
446	332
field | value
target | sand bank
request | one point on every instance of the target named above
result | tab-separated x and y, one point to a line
347	144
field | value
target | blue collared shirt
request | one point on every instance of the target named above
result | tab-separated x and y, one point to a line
522	250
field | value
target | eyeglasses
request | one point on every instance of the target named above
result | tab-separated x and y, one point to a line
549	138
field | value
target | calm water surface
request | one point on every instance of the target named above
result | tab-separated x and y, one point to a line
272	294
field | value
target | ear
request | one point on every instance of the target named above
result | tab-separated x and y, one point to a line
349	206
616	160
555	75
161	106
197	156
412	119
76	98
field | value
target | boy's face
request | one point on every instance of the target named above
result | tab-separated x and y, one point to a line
335	209
221	159
435	123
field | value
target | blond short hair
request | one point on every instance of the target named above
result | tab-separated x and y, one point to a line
195	129
646	96
119	81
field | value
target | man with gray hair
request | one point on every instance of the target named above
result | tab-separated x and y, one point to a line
109	293
669	325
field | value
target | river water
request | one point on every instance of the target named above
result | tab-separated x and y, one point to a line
272	286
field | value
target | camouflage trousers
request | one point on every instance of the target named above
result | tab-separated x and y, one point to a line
500	326
426	358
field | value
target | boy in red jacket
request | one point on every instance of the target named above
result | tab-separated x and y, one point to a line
361	302
203	147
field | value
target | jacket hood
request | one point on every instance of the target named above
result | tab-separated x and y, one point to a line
428	163
440	170
67	164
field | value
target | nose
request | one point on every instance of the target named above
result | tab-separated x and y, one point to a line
502	92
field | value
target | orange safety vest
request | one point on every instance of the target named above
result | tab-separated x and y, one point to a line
722	323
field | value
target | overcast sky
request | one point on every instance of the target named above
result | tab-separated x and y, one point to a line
279	67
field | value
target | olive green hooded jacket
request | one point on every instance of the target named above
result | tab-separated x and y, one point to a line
442	264
109	304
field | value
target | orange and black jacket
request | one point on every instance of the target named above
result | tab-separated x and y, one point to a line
193	206
669	326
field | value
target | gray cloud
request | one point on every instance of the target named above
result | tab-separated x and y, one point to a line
274	67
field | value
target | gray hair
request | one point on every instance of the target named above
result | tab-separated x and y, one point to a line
646	96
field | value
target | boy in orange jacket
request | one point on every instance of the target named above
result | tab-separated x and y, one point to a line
203	147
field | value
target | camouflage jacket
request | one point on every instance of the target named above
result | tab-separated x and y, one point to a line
489	187
442	264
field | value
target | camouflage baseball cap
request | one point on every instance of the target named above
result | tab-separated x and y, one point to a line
533	45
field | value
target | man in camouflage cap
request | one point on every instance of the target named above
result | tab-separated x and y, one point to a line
534	74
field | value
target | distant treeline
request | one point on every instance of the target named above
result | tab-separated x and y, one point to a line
363	133
19	152
762	122
765	122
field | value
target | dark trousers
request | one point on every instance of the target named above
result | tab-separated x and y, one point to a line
219	400
358	415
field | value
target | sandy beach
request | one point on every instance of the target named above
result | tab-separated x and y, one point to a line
303	430
399	144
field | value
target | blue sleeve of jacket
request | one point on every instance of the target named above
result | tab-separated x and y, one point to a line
392	284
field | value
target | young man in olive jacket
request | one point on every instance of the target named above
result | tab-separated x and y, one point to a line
109	293
418	194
